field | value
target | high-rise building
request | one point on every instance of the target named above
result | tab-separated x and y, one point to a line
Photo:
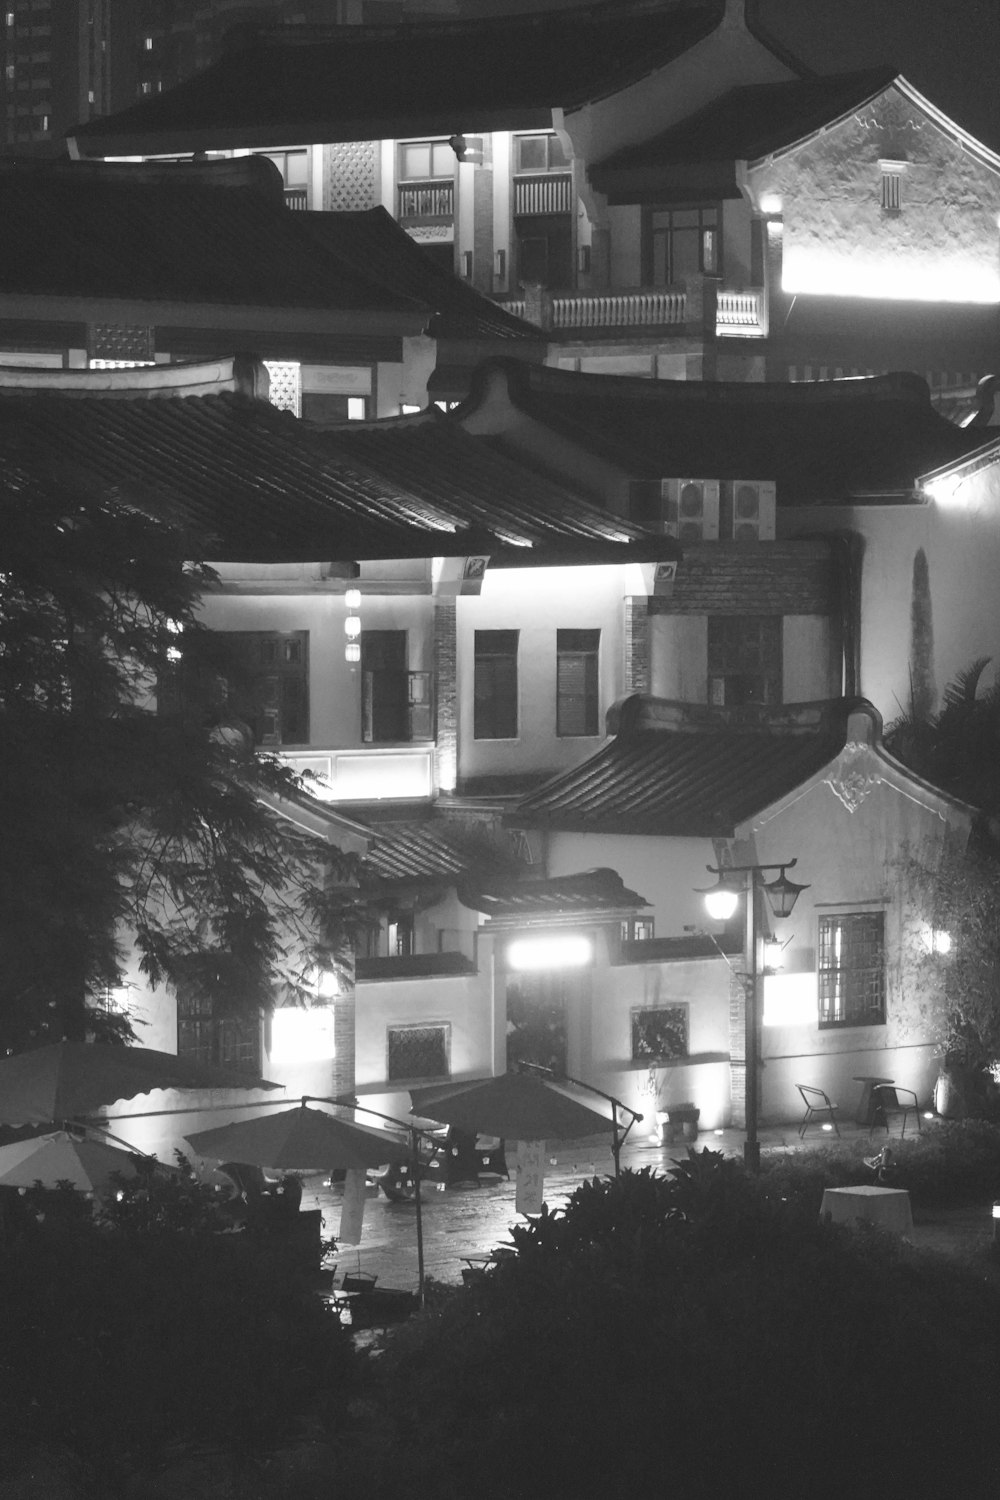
66	61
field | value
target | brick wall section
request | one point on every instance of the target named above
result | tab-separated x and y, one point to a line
769	578
446	689
342	1071
737	1051
637	674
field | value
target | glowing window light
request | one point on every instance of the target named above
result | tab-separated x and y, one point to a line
352	599
552	951
301	1035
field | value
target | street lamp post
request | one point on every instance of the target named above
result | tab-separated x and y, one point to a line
721	901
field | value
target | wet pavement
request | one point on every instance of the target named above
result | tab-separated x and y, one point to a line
460	1222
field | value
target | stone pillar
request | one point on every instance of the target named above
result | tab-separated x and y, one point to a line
446	695
737	1051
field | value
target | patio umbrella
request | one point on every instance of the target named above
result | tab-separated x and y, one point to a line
61	1157
301	1139
65	1080
516	1106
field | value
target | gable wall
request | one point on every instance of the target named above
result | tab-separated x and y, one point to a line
941	245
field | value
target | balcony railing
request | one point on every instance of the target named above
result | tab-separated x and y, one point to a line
297	197
541	194
737	314
740	314
427	201
367	775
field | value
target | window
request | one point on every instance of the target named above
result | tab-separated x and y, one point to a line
495	689
852	969
638	929
539	153
294	169
203	1037
265	682
426	173
660	1035
744	660
892	173
417	1052
576	682
682	243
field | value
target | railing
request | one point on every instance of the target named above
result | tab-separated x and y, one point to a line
365	775
427	200
740	314
543	194
297	198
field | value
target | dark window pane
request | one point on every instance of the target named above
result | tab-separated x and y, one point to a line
495	688
577	682
660	1035
744	660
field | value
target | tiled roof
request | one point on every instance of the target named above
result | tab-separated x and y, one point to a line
178	233
561	895
373	244
429	850
339	83
686	772
744	124
820	441
258	485
456	474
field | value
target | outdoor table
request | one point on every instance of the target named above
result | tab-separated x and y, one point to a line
889	1208
867	1106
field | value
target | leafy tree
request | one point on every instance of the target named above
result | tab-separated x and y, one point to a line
123	824
958	748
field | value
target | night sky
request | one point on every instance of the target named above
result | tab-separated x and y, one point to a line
948	49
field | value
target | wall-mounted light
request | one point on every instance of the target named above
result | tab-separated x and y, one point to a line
583	259
352	599
352	627
500	265
352	651
550	951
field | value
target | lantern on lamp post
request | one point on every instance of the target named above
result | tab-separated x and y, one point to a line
721	901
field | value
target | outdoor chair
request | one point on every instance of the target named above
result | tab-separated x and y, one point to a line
817	1104
889	1101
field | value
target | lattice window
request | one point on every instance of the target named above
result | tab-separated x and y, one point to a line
852	969
744	660
285	390
119	345
576	682
203	1037
417	1052
495	685
660	1035
352	175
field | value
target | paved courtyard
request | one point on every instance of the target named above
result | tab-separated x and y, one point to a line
459	1222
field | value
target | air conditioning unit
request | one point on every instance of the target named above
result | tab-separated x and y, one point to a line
690	509
751	517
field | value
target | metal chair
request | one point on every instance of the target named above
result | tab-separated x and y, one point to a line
888	1101
817	1103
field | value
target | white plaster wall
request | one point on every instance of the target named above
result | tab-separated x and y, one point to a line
850	861
943	245
462	1002
538	602
960	536
334	685
808	671
625	225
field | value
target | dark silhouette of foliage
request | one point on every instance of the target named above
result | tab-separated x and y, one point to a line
121	823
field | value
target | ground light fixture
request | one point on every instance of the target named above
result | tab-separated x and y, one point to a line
721	900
